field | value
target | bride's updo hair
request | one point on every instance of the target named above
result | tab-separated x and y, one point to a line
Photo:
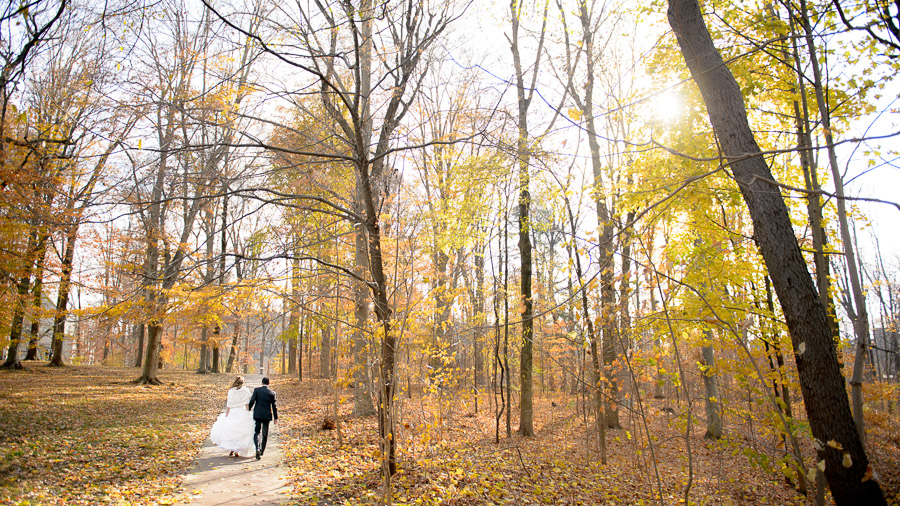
238	382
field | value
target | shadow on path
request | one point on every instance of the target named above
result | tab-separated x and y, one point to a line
216	479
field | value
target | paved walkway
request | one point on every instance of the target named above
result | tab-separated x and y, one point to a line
217	479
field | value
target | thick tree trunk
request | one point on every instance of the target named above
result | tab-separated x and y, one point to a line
62	298
362	393
232	354
204	366
821	381
151	361
151	267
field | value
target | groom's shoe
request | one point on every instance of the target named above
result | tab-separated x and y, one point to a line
258	454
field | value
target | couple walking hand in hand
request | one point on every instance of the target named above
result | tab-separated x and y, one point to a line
244	426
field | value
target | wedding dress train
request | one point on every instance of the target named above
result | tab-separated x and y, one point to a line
233	429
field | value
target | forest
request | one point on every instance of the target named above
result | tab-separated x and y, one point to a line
542	252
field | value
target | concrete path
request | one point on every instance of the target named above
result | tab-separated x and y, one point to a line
216	479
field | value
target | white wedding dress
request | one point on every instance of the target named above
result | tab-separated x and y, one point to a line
234	431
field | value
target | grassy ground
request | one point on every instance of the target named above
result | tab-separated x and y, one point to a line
86	436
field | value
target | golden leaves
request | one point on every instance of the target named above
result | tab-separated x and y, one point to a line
574	113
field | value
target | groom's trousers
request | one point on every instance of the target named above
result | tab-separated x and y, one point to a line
261	426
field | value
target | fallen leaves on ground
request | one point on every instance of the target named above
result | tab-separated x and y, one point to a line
448	456
86	435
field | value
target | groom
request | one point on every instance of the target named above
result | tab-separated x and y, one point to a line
262	402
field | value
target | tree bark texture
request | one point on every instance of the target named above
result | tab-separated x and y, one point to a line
18	318
362	398
62	299
713	410
37	304
139	330
233	351
821	382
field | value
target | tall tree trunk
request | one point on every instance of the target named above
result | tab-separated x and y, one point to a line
216	348
294	322
37	302
232	354
861	322
151	297
204	366
821	381
18	318
383	315
623	328
245	367
814	209
713	409
362	393
604	216
62	298
151	361
139	329
526	369
235	350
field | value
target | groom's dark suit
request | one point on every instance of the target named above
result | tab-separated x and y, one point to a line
262	402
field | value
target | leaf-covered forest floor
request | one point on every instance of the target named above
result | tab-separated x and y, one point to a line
448	456
85	435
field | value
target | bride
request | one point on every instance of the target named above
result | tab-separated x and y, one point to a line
233	430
